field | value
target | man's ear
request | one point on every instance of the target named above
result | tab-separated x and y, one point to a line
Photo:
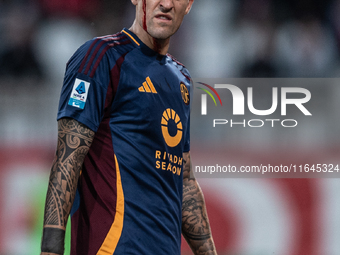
134	2
187	10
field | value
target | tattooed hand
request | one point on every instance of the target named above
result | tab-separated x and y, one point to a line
74	141
195	223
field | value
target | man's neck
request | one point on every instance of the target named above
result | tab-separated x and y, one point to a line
160	46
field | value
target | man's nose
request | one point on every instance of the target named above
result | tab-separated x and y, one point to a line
166	5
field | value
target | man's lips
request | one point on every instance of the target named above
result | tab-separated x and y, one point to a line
163	17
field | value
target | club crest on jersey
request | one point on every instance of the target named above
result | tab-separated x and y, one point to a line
79	93
185	93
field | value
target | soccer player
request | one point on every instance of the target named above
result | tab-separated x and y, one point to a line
122	167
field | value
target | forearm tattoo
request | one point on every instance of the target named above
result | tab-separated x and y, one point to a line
74	141
195	223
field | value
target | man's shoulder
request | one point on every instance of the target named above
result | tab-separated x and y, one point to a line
180	66
90	55
107	42
175	60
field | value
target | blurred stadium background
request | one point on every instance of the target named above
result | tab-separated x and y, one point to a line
220	38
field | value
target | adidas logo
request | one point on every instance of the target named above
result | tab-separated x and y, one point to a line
147	86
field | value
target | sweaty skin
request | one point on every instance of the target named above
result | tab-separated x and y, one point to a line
157	20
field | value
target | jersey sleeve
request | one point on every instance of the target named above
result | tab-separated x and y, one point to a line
187	137
85	85
187	132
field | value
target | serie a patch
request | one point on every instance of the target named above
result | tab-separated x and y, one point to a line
79	93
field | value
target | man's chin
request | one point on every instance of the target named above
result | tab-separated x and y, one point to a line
160	34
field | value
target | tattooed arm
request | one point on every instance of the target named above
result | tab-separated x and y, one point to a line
74	141
195	223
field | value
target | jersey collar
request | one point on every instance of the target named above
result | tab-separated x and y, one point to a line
145	49
132	36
